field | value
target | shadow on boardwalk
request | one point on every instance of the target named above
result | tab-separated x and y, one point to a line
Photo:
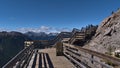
44	60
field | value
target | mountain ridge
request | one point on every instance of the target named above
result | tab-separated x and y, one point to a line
41	35
9	46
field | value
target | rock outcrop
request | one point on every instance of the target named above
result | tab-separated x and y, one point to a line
107	37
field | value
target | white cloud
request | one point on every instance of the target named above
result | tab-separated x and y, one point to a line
43	29
4	29
63	30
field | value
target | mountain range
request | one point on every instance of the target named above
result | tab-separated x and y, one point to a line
41	35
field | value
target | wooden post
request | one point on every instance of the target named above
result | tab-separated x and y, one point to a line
59	49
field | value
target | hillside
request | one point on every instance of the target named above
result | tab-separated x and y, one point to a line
107	37
10	44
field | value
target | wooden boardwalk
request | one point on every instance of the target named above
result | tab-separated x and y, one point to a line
46	58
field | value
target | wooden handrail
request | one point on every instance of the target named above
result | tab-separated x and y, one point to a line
19	57
97	54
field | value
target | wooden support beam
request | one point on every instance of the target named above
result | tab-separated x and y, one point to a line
59	49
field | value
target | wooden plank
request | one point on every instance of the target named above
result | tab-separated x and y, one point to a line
78	57
15	59
43	65
29	58
98	54
71	58
37	62
56	61
31	61
47	65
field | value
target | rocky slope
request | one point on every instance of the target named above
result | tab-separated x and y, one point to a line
107	37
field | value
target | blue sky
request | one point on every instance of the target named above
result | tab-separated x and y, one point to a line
53	15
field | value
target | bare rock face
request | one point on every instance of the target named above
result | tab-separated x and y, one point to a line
107	36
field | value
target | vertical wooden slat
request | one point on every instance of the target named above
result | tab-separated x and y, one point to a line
37	62
47	64
31	61
43	65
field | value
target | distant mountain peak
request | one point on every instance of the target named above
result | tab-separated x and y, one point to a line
41	35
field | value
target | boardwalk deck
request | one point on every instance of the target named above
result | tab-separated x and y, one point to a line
57	61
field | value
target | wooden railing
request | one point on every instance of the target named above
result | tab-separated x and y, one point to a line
21	59
86	58
77	35
81	57
60	37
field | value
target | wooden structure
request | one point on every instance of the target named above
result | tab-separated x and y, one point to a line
77	36
21	59
59	49
85	58
46	58
60	37
65	55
